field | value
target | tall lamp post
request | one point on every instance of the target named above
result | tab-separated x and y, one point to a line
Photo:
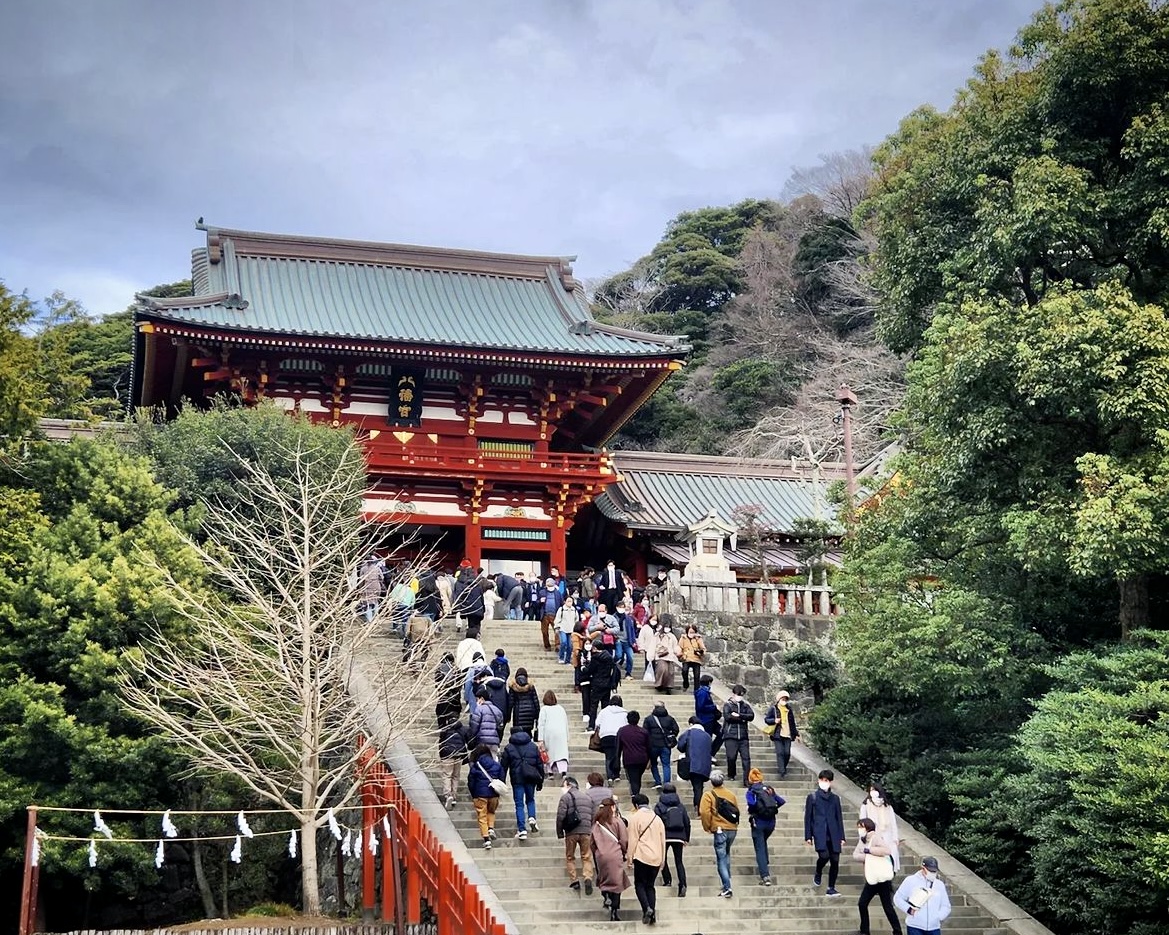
847	399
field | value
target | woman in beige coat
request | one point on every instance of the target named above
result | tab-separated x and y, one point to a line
692	650
665	658
647	854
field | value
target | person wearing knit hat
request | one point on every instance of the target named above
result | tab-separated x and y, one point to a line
763	804
923	899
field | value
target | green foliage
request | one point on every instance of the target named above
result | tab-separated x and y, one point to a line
748	386
812	668
1047	170
197	453
1090	790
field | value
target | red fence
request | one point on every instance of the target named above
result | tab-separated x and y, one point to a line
428	866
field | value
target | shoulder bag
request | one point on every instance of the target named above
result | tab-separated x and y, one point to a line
498	786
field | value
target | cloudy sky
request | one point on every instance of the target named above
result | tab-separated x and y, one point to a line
550	126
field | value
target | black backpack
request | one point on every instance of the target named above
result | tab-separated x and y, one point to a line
572	816
766	804
726	809
674	819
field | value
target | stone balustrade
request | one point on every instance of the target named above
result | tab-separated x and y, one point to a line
744	597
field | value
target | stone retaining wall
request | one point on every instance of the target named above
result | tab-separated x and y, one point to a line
749	648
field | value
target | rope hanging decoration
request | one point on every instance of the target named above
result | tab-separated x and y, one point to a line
348	837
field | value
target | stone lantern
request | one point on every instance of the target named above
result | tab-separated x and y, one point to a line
705	539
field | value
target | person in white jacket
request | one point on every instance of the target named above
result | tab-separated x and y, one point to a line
878	807
923	899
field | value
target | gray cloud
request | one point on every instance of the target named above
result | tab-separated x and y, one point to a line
567	126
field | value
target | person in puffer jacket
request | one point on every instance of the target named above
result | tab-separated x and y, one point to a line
486	721
523	703
521	759
484	768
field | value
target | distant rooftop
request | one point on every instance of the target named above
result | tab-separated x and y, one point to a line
662	492
396	293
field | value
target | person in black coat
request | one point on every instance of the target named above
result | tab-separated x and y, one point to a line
602	676
467	596
453	740
677	821
824	829
428	603
525	771
498	694
523	703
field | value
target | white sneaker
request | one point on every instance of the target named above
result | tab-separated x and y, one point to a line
532	826
585	718
521	835
491	833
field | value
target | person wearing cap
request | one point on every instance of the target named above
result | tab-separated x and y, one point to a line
923	899
781	716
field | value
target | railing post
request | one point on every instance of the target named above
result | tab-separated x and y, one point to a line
28	889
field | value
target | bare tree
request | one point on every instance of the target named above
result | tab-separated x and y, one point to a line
840	181
261	690
809	427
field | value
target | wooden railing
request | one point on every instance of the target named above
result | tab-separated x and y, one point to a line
382	455
416	856
746	598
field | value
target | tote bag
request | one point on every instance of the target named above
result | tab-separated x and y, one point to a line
878	869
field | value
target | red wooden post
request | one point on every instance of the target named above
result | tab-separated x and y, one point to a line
559	551
28	889
414	838
368	870
390	900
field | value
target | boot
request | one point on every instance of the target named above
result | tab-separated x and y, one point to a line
613	917
681	891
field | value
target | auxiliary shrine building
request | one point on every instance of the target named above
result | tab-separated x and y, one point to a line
481	386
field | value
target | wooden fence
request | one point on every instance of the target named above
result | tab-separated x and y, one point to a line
741	597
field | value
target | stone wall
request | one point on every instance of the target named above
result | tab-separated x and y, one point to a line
749	648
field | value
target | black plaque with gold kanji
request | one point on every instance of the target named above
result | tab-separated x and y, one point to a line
406	397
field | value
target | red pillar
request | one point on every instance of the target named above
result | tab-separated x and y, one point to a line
559	548
473	546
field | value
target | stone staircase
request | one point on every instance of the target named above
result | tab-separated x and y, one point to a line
529	878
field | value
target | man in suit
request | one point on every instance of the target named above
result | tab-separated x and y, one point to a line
610	586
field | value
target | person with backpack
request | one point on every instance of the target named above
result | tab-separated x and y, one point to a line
737	714
453	739
663	737
695	763
574	825
763	804
525	772
719	811
824	830
484	780
647	854
500	667
588	589
677	821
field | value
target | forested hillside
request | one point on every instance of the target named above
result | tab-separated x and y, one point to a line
774	298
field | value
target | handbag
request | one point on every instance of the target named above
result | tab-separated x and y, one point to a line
595	741
498	786
878	869
682	767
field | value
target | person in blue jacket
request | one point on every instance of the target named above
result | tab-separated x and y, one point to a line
484	768
694	743
707	711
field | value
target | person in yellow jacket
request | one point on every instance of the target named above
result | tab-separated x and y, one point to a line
719	811
647	854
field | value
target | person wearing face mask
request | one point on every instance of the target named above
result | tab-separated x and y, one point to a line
782	717
824	830
923	899
873	850
878	807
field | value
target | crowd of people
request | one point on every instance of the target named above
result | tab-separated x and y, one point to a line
517	738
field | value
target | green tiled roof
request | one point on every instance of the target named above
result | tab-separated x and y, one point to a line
392	293
667	492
